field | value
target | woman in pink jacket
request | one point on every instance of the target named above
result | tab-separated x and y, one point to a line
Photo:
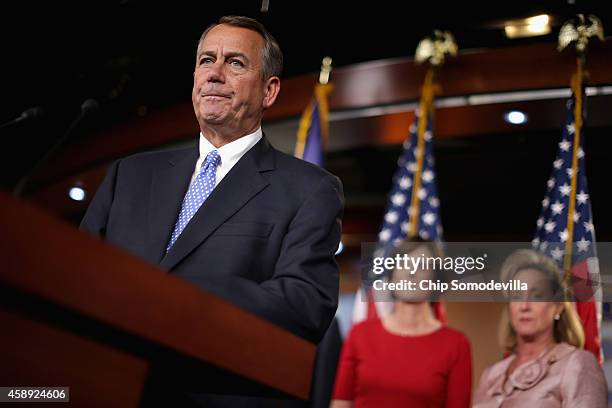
547	367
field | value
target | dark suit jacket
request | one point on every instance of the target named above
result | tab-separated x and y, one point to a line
263	240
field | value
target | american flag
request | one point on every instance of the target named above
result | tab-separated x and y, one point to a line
552	228
397	222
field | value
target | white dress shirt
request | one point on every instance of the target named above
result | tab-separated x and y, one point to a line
230	153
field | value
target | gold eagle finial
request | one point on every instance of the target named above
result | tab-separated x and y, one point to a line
434	48
579	31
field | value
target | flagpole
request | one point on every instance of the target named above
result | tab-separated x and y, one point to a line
425	106
321	91
577	83
431	49
578	34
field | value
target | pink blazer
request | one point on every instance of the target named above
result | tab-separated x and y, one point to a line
566	377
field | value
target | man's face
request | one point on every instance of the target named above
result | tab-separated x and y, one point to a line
229	93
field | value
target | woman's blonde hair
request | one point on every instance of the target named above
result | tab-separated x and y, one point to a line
568	328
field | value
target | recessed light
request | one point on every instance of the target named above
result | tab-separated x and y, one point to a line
77	193
515	117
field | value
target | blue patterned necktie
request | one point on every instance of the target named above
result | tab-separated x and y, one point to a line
199	191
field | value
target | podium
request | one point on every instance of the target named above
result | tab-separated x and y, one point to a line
77	312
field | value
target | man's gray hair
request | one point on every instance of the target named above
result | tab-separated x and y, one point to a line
272	56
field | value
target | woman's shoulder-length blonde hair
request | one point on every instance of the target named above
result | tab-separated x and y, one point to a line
568	328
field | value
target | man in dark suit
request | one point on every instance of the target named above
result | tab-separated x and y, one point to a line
233	216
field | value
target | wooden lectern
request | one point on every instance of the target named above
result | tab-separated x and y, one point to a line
77	312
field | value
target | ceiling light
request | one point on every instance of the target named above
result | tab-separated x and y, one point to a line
515	117
77	193
542	19
528	27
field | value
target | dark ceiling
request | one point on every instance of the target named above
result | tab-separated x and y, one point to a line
134	56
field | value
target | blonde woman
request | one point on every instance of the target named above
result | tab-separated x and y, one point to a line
547	366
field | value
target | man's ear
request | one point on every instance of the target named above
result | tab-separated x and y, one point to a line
271	90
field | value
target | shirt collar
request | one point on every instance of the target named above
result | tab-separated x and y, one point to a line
232	152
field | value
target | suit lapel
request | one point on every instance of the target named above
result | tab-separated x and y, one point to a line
168	188
239	186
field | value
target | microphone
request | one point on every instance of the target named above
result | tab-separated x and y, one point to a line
88	107
32	113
